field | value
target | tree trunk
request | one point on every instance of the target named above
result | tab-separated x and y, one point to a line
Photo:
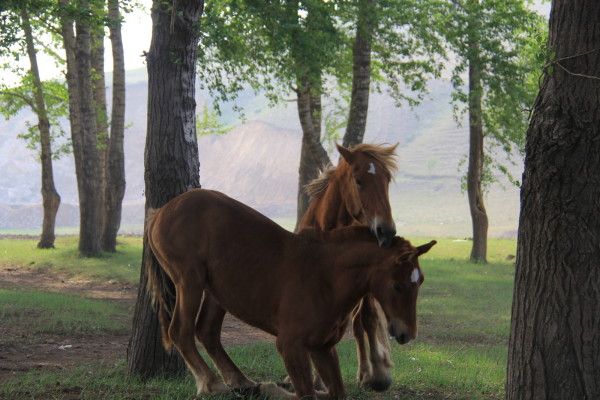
474	173
99	91
554	347
50	197
313	156
361	75
73	89
89	236
115	162
171	157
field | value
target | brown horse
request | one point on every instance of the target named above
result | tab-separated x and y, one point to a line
300	288
356	192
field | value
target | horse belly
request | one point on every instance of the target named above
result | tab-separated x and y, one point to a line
251	305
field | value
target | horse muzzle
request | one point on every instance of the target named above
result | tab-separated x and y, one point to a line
399	331
385	234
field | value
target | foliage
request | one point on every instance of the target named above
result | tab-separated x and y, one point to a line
506	40
15	96
207	123
14	99
269	46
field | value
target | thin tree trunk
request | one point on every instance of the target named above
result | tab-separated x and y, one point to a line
475	170
115	166
313	156
99	90
171	158
554	346
89	235
50	197
73	89
361	75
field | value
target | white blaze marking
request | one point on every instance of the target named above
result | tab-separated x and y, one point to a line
371	169
414	277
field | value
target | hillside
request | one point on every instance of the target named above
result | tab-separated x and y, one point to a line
257	163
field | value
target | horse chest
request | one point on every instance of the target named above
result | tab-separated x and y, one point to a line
335	333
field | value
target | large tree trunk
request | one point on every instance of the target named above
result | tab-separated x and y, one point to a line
171	157
115	160
99	90
50	197
89	210
554	347
313	156
361	75
475	170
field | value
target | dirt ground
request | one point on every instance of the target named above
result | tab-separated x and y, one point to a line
20	351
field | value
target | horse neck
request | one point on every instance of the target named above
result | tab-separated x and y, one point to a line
329	211
351	273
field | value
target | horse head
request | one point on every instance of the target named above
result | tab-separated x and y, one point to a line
365	172
396	286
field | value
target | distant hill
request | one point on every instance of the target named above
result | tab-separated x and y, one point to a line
257	163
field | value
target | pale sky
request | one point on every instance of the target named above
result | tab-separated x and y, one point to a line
136	31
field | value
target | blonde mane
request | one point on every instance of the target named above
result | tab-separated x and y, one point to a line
319	184
385	155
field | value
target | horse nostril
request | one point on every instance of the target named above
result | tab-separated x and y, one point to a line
379	231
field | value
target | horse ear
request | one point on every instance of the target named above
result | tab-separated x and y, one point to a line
392	149
424	248
346	154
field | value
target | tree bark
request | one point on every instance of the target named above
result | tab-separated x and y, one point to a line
313	156
115	161
89	209
73	89
554	346
50	197
475	170
361	75
99	93
171	156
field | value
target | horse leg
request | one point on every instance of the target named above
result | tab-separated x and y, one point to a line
181	331
327	363
365	369
208	332
374	323
297	363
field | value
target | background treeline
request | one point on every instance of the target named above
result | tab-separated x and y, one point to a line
311	52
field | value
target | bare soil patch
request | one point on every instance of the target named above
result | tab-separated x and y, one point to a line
21	351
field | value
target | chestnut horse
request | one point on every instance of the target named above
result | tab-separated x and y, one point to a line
298	287
356	192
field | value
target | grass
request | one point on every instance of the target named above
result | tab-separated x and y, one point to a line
464	312
122	266
57	313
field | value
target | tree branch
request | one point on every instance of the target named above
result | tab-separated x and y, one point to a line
26	99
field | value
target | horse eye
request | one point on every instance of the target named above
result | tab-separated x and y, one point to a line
399	287
359	183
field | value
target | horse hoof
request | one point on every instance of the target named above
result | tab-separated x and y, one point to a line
379	384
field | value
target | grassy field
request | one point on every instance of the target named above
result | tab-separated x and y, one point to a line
123	266
464	313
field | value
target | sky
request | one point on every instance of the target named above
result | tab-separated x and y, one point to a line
136	32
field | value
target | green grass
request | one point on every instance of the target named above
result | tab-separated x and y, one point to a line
57	313
464	312
121	266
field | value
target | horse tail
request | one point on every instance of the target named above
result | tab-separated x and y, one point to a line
159	286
